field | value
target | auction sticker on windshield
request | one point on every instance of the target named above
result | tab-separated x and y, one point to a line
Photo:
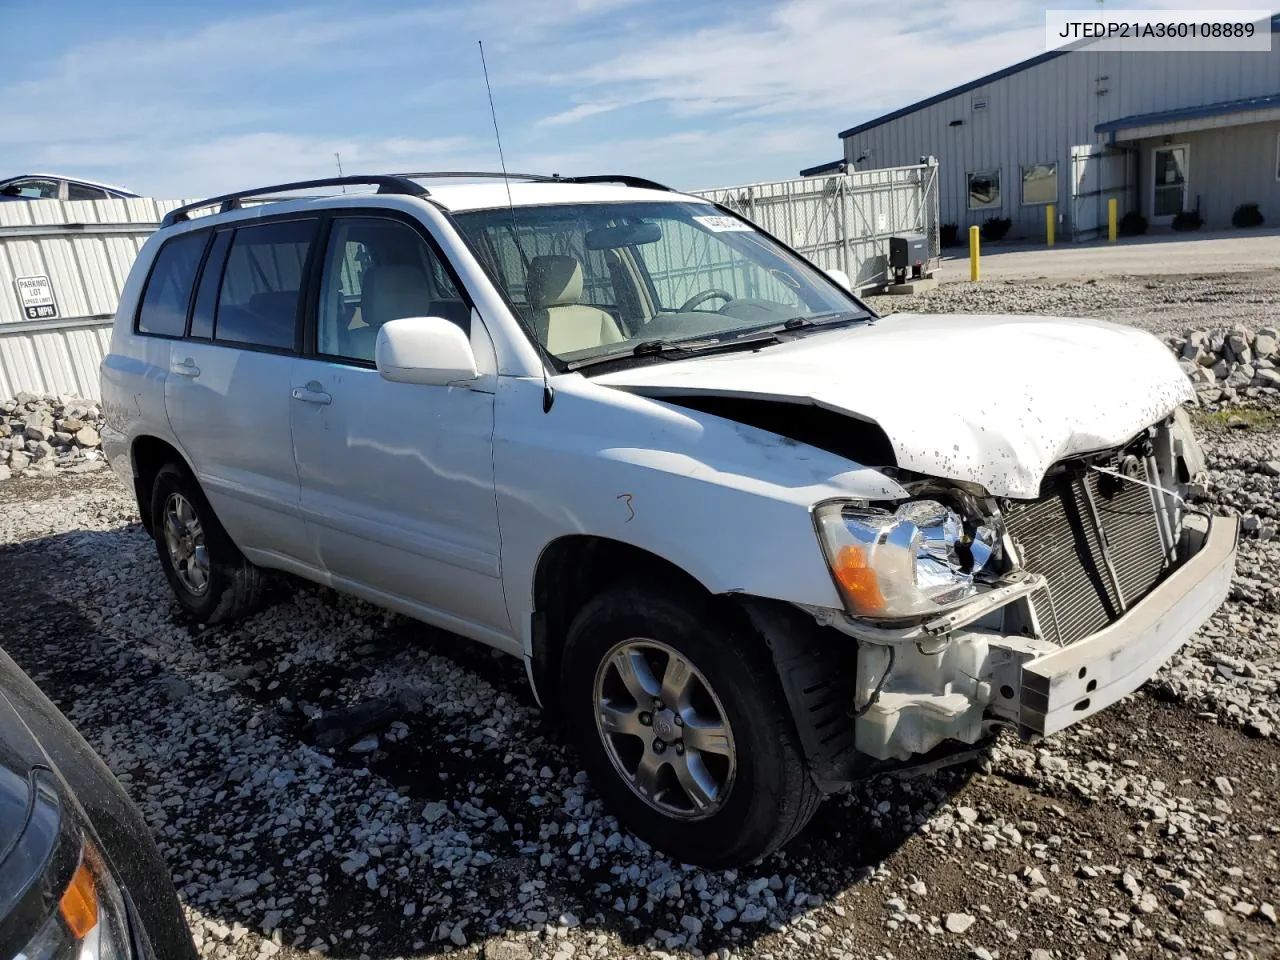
36	295
724	224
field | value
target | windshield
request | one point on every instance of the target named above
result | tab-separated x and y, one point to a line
596	280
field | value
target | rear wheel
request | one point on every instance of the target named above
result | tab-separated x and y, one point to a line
209	575
682	726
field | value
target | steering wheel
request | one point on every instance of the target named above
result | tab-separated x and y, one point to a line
700	298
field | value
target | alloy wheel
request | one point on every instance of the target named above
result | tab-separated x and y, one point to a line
664	729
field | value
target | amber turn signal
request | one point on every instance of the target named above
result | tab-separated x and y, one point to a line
79	905
858	580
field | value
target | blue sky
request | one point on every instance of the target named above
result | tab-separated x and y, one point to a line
185	99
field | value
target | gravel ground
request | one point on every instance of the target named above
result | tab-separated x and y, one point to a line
464	826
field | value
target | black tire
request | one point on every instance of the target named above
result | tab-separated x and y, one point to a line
234	585
772	795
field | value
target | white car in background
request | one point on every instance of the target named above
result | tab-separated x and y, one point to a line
752	541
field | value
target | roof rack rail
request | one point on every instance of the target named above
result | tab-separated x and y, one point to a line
622	178
386	183
477	174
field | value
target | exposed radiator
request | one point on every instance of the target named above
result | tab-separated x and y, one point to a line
1058	538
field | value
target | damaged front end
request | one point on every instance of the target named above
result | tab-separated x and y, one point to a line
972	612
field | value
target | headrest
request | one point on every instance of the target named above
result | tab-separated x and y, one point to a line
554	281
393	291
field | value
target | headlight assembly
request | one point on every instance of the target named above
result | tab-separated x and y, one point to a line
89	923
910	562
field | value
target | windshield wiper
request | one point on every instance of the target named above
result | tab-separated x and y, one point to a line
679	349
821	320
662	347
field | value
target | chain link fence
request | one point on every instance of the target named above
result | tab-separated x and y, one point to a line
844	221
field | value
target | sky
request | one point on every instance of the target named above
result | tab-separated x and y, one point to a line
174	98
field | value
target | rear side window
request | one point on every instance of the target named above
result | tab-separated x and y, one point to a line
78	191
164	302
258	300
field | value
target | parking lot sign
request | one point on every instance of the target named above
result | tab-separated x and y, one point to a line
36	295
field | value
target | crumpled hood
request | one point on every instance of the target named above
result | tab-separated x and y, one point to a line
994	400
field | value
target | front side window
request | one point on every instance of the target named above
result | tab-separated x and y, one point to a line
984	189
378	270
164	302
33	188
598	279
258	300
1040	183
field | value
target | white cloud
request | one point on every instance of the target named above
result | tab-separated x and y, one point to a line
580	112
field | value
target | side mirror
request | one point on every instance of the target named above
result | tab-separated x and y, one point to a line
426	350
840	277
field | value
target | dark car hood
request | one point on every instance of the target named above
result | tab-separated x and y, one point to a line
19	754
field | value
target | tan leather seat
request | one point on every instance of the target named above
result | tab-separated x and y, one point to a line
390	292
562	323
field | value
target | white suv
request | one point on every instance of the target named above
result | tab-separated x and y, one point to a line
752	541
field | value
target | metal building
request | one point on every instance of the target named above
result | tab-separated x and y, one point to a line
1159	131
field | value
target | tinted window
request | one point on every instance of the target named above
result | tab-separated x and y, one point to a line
77	191
164	303
258	301
210	280
33	188
378	270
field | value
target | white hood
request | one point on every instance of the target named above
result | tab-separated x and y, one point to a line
994	400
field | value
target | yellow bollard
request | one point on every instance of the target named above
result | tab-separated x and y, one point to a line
1111	220
974	254
1048	225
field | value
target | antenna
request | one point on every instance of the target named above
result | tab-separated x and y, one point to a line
548	395
337	156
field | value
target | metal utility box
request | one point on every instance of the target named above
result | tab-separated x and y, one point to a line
908	254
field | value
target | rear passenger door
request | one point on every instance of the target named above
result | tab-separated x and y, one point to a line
227	389
396	478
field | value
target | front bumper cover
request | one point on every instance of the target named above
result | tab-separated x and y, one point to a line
1070	684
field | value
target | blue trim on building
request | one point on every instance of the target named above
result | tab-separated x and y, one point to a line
832	167
974	85
1188	113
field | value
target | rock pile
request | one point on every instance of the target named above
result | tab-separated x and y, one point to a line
1228	365
40	435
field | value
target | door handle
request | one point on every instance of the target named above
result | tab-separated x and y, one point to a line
313	392
185	368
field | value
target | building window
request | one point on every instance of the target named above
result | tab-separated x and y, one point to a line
1040	183
984	189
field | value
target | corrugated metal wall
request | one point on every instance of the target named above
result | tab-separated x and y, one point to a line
844	221
1036	115
85	248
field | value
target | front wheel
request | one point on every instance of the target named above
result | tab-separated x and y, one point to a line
209	575
682	726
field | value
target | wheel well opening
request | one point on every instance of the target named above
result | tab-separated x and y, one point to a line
149	454
570	572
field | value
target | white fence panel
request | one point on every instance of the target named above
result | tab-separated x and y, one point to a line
84	249
843	221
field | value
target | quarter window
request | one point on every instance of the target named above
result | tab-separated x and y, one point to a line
377	270
984	189
258	300
1040	183
164	302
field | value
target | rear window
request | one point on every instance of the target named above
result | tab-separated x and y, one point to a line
258	301
164	302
